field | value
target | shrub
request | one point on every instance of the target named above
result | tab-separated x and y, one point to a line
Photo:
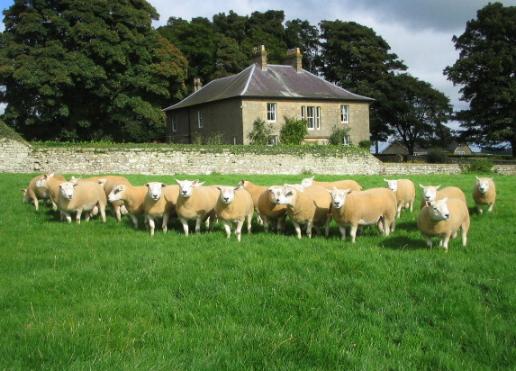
215	139
260	133
293	131
437	156
337	135
365	144
483	165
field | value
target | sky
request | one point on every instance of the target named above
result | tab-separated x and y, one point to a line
419	31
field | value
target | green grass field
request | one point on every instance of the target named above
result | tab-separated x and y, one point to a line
95	296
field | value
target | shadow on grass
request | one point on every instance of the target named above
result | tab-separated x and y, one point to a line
403	242
406	226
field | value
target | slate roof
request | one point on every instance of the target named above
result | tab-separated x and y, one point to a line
278	81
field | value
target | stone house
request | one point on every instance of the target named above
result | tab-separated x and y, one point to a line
229	106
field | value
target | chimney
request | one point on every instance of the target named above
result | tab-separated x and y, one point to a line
294	59
260	57
197	84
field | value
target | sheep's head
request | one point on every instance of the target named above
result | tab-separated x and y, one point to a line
243	183
116	193
483	184
289	193
338	197
42	180
154	190
275	194
67	189
439	209
307	182
186	187
392	184
227	194
429	192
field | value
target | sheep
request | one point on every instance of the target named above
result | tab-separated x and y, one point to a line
373	206
432	193
339	184
79	197
443	218
484	193
235	205
270	210
34	193
159	202
405	193
49	184
310	206
195	202
133	198
256	191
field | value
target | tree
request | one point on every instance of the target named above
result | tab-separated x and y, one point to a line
260	133
293	131
415	111
485	70
80	70
356	58
302	34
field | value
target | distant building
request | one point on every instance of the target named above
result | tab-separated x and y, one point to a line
398	148
229	106
460	149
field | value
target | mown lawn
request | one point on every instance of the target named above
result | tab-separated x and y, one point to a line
96	296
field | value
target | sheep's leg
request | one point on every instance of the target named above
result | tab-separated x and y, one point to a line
464	236
342	232
309	229
102	209
227	228
429	242
54	205
398	213
152	225
164	224
259	219
78	216
381	225
353	232
207	223
123	210
445	242
198	225
411	205
386	227
249	223
265	223
135	220
393	225
67	217
36	203
479	209
327	229
118	214
184	223
454	235
280	224
490	207
298	229
238	230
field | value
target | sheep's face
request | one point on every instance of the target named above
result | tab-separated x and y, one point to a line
429	192
439	209
288	195
186	187
275	194
154	190
117	193
307	182
227	194
338	197
392	185
42	181
66	189
483	185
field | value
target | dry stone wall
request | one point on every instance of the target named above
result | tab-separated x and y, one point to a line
16	157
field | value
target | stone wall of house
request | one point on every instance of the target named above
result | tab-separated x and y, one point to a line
16	157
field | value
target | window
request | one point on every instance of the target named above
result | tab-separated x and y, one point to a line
344	114
173	124
271	112
312	115
346	140
200	119
273	140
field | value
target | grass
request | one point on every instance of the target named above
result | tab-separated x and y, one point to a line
96	296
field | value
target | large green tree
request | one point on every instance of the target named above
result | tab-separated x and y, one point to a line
416	112
302	34
80	70
356	58
485	71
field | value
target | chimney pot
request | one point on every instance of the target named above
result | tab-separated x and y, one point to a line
295	59
260	57
197	84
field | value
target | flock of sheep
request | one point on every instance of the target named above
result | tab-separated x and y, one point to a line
312	204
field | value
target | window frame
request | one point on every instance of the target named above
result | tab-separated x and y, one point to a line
271	112
200	119
173	124
313	121
344	120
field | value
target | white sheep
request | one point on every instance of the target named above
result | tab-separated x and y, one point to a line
270	209
234	205
79	197
339	184
405	193
133	198
373	206
255	191
33	193
443	218
159	202
310	206
484	193
195	202
49	184
432	193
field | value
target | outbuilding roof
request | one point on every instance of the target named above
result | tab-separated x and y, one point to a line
277	81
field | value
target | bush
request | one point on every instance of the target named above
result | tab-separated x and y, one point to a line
293	131
364	144
437	156
337	135
482	165
260	133
214	139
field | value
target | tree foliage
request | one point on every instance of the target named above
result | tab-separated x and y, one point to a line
260	133
485	70
293	131
87	70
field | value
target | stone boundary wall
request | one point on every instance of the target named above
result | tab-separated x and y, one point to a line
16	157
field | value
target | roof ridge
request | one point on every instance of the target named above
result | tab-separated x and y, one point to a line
335	85
249	79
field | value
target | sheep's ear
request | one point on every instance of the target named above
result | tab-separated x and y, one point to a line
197	183
346	191
49	175
385	180
476	177
75	184
437	187
163	185
219	188
23	190
422	186
147	185
102	181
178	181
242	182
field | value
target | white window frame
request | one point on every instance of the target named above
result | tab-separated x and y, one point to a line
318	118
346	140
312	115
200	120
272	109
344	113
173	124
